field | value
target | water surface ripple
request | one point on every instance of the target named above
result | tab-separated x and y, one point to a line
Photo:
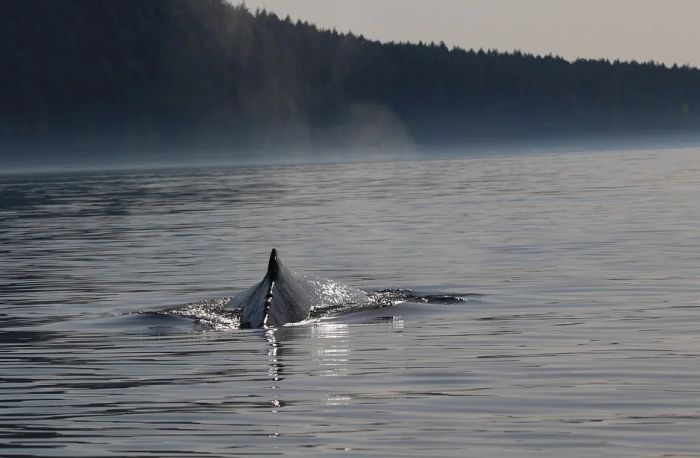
577	333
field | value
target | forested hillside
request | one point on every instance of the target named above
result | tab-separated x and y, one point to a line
149	74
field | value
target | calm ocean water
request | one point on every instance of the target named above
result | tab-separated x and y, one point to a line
578	334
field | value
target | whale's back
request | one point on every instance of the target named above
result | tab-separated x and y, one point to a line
284	296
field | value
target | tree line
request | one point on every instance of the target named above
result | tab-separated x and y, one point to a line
153	73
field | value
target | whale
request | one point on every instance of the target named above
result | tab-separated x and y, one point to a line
286	296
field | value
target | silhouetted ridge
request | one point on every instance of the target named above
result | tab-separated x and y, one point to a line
140	74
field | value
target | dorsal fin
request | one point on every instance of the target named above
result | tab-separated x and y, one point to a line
273	267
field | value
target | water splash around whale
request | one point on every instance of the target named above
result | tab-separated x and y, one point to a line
287	297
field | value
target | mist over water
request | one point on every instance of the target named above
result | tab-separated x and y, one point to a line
577	334
160	83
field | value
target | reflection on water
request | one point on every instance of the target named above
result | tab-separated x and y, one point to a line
331	347
557	313
274	354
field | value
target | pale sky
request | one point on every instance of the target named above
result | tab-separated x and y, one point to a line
662	30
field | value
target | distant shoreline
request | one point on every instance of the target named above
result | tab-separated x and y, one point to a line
587	146
163	82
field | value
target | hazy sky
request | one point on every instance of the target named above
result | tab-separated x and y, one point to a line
663	30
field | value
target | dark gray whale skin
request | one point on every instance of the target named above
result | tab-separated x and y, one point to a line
284	296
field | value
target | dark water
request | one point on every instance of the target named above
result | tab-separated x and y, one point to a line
577	333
